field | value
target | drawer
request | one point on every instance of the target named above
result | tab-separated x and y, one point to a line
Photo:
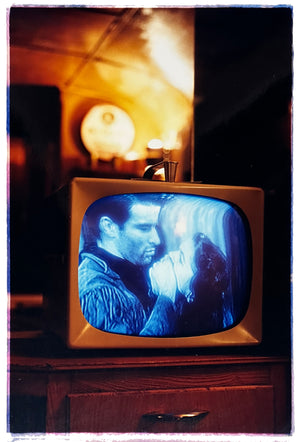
202	410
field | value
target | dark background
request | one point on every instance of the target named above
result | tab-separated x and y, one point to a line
243	131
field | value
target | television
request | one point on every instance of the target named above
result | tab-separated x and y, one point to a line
181	267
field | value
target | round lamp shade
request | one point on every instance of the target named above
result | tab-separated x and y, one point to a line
107	132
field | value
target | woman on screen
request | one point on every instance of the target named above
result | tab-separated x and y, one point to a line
194	278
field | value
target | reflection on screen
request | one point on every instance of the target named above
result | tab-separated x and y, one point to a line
164	265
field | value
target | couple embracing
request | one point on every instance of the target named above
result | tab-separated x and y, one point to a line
127	284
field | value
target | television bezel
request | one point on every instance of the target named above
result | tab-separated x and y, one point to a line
85	191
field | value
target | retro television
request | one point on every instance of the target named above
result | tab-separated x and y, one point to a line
216	314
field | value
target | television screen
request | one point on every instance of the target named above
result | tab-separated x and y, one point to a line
153	264
160	264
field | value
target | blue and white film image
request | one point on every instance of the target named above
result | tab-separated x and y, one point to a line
164	265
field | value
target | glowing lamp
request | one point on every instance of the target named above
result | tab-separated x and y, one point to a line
107	132
155	143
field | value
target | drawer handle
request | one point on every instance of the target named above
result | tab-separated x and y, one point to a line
173	417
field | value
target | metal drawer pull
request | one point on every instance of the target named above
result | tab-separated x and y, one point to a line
170	417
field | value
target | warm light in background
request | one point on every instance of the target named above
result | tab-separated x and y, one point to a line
170	52
171	140
140	60
107	132
155	82
17	152
161	112
155	143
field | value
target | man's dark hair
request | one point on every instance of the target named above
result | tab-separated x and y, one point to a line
117	208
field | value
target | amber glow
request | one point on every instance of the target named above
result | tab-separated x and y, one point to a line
107	132
166	49
155	143
17	152
171	140
162	112
143	64
154	85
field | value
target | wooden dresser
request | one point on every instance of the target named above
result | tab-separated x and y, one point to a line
62	391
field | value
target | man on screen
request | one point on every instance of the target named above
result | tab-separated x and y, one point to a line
120	241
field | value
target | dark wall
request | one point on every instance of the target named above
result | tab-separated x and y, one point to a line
34	126
243	130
